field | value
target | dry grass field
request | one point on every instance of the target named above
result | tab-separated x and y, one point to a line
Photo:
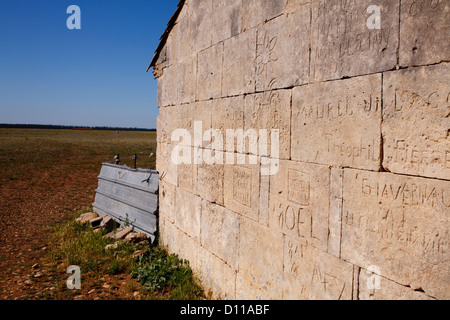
45	177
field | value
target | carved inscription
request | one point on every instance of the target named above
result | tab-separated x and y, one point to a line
340	37
242	185
298	202
299	187
338	123
387	215
313	274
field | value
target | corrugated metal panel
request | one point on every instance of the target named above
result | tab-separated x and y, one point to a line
125	193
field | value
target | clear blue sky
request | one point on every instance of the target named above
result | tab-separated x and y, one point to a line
91	77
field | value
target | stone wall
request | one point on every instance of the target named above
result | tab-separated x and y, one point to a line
359	205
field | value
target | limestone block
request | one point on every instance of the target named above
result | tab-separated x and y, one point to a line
400	224
293	4
227	114
187	177
239	54
255	12
181	244
195	118
218	278
282	51
180	49
343	44
247	290
187	213
335	219
168	120
209	78
261	259
226	19
200	24
376	287
299	202
167	193
424	31
416	121
167	169
311	274
241	189
186	79
220	232
169	86
210	181
267	111
338	122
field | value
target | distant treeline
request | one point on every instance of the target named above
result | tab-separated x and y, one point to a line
52	126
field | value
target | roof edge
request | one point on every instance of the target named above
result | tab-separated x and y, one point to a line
165	35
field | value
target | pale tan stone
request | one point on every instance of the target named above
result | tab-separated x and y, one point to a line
400	224
210	181
335	218
226	19
220	232
169	87
255	12
376	287
241	189
200	24
267	111
167	169
247	290
282	51
186	81
338	123
293	4
227	114
311	274
416	121
260	259
217	277
209	76
181	244
167	199
424	32
239	54
299	202
187	213
342	43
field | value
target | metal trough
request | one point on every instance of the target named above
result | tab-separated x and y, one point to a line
128	195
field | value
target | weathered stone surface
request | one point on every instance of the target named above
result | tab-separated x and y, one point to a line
136	237
342	43
220	232
210	182
312	274
299	202
187	213
293	4
226	19
168	170
263	268
424	31
282	50
200	24
400	224
178	242
241	189
95	223
376	287
416	121
108	223
267	111
209	76
255	12
186	81
120	233
338	123
167	197
335	218
239	54
217	276
227	114
87	217
169	85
